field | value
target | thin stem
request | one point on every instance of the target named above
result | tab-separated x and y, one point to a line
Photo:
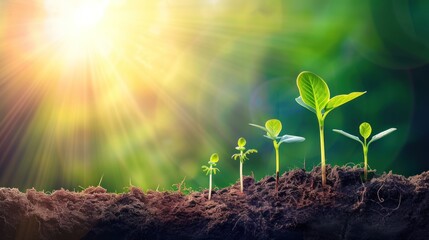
365	161
276	147
322	152
241	176
210	182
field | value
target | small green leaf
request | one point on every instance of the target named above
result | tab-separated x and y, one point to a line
348	135
235	156
341	99
365	130
214	158
313	90
215	169
241	142
251	151
258	126
382	134
302	103
290	139
274	127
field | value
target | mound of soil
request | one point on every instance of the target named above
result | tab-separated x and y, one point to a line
386	207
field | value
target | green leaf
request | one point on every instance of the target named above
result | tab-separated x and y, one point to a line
214	170
235	156
290	139
258	126
313	90
365	130
347	135
274	127
341	99
251	151
206	169
241	142
302	103
382	134
214	158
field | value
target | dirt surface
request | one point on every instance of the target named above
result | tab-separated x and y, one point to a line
386	207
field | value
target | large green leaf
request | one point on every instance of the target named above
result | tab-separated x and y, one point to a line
341	99
365	130
274	127
302	103
313	90
382	134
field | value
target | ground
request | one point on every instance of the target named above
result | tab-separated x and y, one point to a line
388	206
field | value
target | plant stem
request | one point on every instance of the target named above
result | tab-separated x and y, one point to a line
210	182
365	161
322	151
241	176
276	147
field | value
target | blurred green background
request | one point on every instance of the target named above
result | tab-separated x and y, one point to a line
182	80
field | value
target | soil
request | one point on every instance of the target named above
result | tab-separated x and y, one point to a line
386	207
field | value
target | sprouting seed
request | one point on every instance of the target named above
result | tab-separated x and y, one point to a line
242	155
273	128
214	158
365	131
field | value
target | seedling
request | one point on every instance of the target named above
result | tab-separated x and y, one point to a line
241	143
214	158
315	96
273	128
365	131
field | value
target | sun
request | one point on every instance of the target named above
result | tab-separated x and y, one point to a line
76	25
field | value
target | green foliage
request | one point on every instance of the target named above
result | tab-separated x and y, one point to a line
214	158
365	131
273	128
242	155
315	96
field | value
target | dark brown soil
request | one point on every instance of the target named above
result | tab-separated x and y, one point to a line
387	207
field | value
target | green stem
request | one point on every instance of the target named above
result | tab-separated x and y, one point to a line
322	152
210	182
365	161
276	147
241	176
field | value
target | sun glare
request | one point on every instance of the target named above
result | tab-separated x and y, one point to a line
76	24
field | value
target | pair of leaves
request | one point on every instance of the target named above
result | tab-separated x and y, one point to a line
365	131
315	95
243	156
273	127
208	171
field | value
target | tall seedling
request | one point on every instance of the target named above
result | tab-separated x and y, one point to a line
315	96
365	131
273	127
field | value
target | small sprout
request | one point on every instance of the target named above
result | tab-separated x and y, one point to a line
273	128
365	131
315	96
214	158
241	143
